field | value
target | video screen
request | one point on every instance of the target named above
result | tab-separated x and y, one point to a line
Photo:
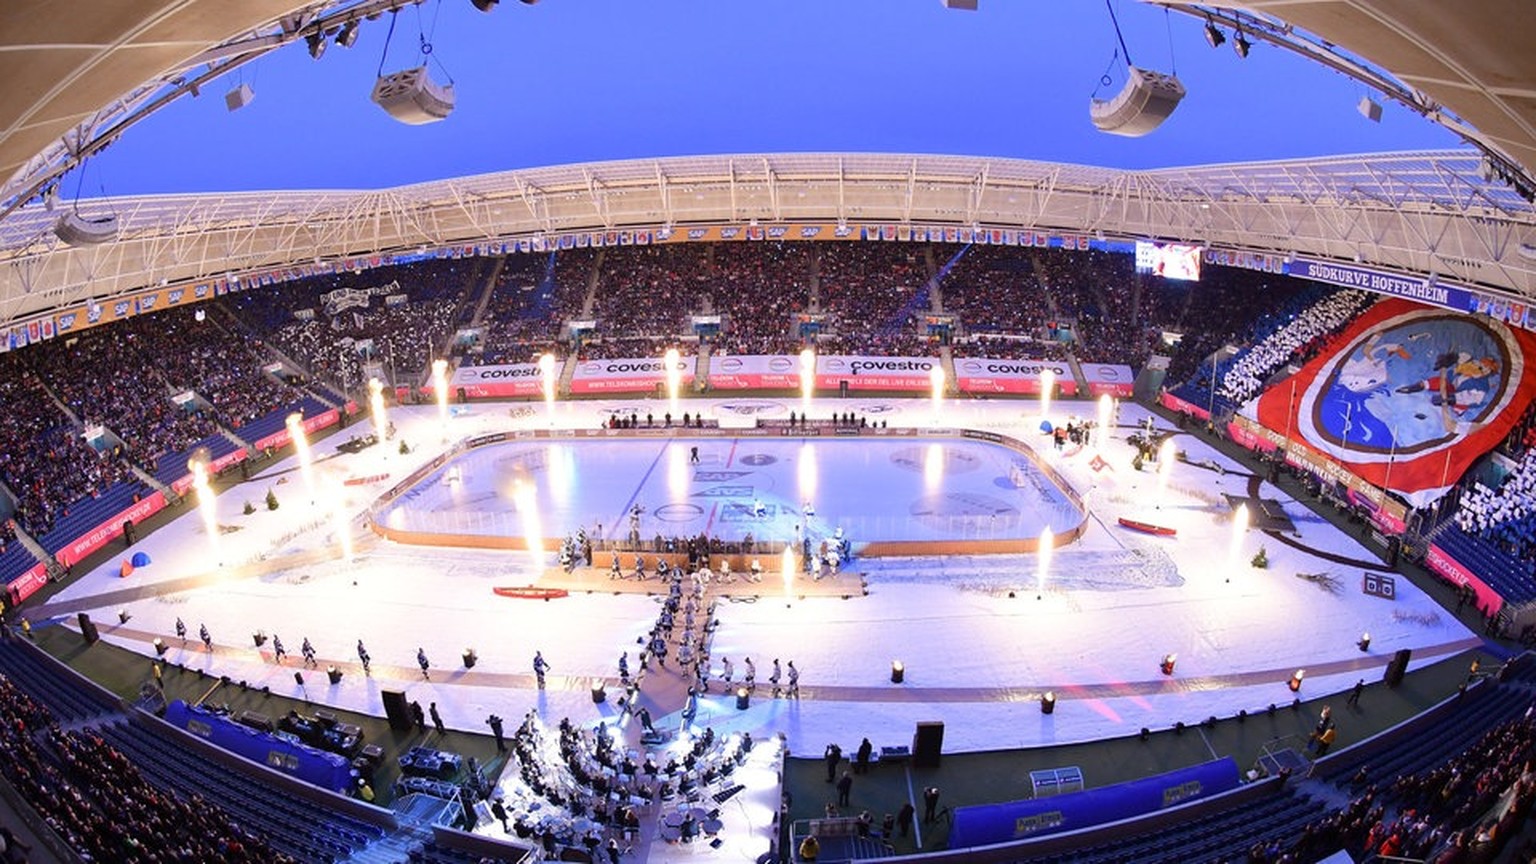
1169	260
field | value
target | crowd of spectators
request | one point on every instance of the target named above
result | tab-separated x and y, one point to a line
142	415
1218	311
758	289
527	307
334	344
1011	348
96	801
650	291
1102	294
1295	332
1506	516
992	289
44	460
213	361
1445	815
870	293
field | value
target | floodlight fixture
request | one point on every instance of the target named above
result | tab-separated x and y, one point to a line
1213	34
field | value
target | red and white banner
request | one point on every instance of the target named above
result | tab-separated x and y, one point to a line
81	547
319	421
1411	396
627	375
1114	379
513	379
233	457
26	584
1437	560
875	373
989	375
754	372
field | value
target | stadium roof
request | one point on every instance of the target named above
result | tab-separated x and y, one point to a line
65	61
1425	212
1470	58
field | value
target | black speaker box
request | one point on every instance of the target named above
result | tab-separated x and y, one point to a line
928	744
88	629
397	710
1396	668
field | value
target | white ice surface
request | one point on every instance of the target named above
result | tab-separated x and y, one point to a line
983	655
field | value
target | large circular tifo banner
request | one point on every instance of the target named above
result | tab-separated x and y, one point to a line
1409	397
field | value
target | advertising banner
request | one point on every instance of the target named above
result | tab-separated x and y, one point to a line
1111	378
875	373
233	457
1174	403
1383	282
81	547
514	379
991	375
1386	513
754	372
627	375
26	584
319	421
1410	397
1439	561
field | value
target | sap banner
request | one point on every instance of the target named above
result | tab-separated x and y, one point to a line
990	375
627	375
513	379
754	372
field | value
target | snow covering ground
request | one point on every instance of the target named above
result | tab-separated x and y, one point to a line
980	636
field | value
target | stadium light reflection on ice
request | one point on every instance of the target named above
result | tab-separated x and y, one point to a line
339	522
806	473
933	468
1043	560
296	434
674	377
206	506
936	379
1105	418
1166	455
440	390
524	496
1239	528
807	379
376	406
547	376
787	567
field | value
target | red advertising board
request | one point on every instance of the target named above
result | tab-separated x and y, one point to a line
490	382
1174	403
627	375
1109	378
233	457
81	547
1437	560
1016	377
26	584
875	373
754	372
320	421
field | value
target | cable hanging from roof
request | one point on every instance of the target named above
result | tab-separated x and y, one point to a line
1146	100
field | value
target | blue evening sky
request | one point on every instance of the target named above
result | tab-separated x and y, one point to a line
570	81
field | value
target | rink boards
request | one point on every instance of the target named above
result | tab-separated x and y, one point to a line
892	492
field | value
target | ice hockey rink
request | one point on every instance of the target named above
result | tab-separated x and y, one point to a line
980	637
